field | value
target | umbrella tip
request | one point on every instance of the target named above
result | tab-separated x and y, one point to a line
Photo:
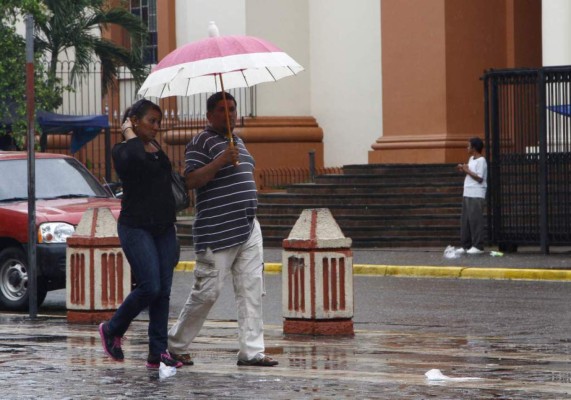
213	29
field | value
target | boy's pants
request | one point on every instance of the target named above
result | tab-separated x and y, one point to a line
473	223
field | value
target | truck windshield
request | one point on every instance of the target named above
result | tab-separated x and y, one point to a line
55	178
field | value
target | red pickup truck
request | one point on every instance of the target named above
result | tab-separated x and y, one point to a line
64	190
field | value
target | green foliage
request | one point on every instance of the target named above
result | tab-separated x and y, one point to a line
10	9
76	25
13	83
62	27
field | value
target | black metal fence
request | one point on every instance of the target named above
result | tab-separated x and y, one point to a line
183	117
528	139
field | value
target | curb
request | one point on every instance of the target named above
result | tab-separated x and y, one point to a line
420	271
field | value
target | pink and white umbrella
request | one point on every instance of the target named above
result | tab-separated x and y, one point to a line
218	63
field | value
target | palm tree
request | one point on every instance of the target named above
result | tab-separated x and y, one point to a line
76	25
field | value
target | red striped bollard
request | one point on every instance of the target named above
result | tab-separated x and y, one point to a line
97	272
317	277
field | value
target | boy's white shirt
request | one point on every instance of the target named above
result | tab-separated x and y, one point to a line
473	188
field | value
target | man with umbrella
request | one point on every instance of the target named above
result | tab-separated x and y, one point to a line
227	235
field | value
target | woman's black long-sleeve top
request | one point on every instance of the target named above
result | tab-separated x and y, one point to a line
147	201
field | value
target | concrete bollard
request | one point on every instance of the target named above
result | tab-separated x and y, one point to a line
97	272
317	277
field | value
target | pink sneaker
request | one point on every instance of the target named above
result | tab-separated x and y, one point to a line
154	362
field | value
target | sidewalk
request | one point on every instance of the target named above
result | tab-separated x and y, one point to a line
489	343
527	264
51	359
492	339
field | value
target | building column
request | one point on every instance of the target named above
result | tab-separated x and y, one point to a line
556	32
433	55
166	26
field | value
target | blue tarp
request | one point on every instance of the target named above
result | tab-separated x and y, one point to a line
564	109
84	128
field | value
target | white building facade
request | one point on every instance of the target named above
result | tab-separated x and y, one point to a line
338	42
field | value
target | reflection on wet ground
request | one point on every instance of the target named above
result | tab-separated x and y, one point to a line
50	359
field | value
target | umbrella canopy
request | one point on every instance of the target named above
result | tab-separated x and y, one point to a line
218	63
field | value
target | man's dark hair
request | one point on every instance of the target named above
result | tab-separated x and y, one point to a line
477	144
215	98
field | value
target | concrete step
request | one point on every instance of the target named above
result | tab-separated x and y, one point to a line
381	230
442	179
363	241
399	169
421	220
376	205
363	210
358	199
374	188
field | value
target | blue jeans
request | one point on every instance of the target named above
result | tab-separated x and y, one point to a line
152	257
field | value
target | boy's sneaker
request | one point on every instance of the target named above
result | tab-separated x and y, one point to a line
111	344
154	361
460	250
474	250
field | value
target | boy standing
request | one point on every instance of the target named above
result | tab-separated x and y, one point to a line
473	224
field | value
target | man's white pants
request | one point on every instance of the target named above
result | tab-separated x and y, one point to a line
245	262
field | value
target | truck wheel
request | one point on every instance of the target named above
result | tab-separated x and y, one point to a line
14	293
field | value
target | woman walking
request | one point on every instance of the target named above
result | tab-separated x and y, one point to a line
146	232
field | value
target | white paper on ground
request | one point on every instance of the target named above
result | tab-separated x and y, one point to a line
437	375
165	372
450	252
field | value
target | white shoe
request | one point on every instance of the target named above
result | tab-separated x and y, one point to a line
460	250
474	250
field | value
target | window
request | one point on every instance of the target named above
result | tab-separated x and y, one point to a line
55	178
147	11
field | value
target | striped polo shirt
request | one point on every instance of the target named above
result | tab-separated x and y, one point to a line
225	206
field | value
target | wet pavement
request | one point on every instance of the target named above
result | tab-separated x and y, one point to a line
50	359
512	336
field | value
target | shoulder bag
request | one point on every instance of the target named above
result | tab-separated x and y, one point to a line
179	189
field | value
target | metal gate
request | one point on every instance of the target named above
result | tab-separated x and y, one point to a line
528	138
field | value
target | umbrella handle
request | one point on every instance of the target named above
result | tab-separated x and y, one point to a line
228	130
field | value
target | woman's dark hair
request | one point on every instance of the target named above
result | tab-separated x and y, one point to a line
140	108
477	144
215	98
